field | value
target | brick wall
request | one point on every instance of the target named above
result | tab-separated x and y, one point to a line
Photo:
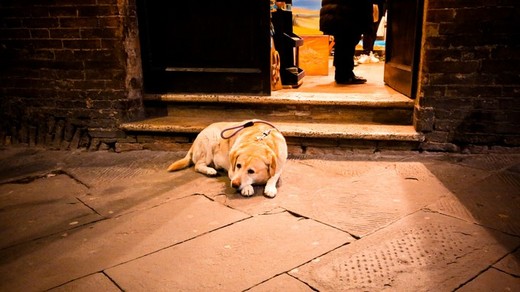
69	73
469	91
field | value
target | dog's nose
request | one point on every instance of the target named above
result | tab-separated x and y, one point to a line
235	183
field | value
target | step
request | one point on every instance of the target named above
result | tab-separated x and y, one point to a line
193	125
307	120
304	107
380	100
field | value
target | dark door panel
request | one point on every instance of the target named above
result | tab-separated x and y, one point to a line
403	45
205	46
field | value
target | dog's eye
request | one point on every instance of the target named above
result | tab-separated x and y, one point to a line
250	171
239	165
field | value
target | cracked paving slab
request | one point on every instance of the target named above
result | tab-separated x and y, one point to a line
235	258
21	163
360	204
146	191
422	252
45	206
52	261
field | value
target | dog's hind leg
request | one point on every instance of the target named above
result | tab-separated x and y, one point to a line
202	167
203	157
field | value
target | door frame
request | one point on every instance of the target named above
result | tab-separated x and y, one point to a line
398	75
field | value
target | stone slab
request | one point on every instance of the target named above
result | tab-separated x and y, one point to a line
492	201
46	206
22	163
422	252
492	280
235	258
95	282
145	191
55	260
361	202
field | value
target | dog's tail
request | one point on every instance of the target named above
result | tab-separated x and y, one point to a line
181	163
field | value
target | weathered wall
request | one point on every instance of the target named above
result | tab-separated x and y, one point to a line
70	71
469	91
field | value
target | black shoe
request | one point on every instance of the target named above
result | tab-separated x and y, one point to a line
352	80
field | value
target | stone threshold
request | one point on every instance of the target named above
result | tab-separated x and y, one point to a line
375	100
299	129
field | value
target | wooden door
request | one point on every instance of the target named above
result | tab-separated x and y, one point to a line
403	45
205	46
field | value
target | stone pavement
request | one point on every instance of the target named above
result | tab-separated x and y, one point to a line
100	221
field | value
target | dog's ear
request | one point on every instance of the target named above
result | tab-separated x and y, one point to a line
233	156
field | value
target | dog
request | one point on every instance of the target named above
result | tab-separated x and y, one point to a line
253	153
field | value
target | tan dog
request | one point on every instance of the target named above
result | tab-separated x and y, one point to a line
253	152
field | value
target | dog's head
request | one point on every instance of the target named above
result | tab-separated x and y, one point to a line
251	167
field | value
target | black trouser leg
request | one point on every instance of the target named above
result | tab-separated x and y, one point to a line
344	49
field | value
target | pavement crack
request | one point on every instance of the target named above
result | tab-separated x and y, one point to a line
299	216
61	171
88	206
112	280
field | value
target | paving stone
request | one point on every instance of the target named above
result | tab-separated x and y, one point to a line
455	177
106	168
493	202
235	258
145	191
422	252
96	282
492	280
55	260
295	175
282	282
361	204
21	163
489	161
45	206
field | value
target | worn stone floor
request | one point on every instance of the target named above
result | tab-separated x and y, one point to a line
373	72
396	221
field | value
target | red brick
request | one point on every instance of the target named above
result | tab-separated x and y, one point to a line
110	21
37	33
48	44
81	44
41	22
14	33
78	22
440	15
500	66
70	11
453	67
102	33
65	33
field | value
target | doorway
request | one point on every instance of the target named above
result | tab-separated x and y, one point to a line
184	51
398	46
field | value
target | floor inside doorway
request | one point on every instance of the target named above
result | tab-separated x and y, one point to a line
373	72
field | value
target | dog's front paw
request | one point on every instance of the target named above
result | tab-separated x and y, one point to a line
211	171
247	191
270	191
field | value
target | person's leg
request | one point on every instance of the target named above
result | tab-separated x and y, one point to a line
369	40
344	59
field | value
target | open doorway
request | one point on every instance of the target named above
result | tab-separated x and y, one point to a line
397	46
